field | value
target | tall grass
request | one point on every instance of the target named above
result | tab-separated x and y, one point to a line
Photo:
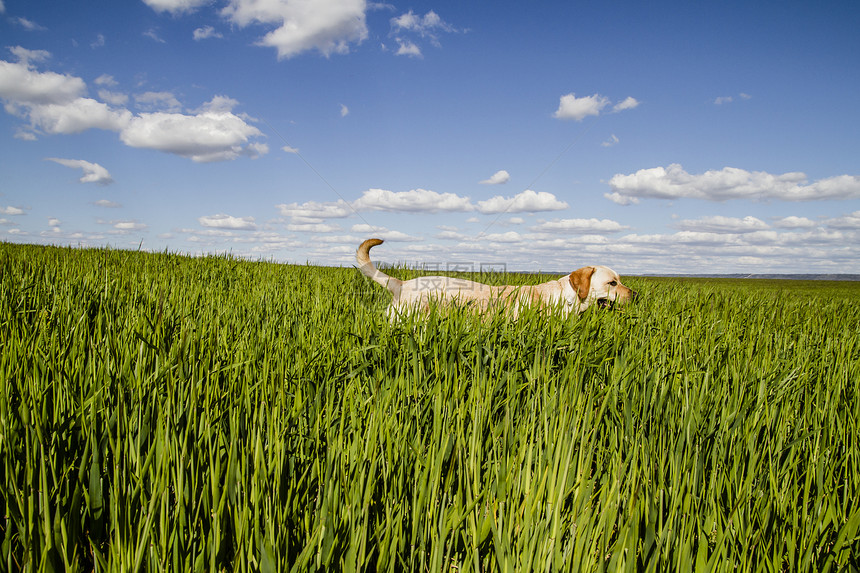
159	412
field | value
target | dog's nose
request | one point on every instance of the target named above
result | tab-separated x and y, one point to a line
633	295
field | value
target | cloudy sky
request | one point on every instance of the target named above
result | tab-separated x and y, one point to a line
667	137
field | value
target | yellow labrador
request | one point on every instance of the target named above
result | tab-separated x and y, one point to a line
572	293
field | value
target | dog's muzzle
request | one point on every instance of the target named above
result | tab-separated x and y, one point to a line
606	303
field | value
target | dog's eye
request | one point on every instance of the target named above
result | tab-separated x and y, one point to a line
613	283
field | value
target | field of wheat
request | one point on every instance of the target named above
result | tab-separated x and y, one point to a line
166	413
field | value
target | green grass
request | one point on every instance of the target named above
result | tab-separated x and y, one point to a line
164	413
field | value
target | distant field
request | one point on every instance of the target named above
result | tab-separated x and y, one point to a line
166	413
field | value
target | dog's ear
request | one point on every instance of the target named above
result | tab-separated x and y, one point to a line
580	280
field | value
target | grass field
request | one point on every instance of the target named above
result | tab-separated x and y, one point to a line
165	413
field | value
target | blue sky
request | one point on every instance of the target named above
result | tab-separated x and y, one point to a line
667	137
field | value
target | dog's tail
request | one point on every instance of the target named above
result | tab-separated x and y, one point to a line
365	265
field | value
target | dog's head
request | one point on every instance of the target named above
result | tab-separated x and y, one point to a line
599	285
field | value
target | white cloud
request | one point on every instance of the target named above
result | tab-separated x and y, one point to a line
729	99
793	222
128	226
26	56
21	84
365	228
214	232
25	135
93	172
384	233
497	178
613	139
205	137
54	222
105	80
98	42
152	34
77	116
329	26
480	240
313	210
581	226
814	250
416	200
572	107
29	25
428	27
628	103
344	111
161	101
398	236
508	237
388	236
673	182
526	202
451	235
175	6
720	224
206	32
53	102
621	199
348	239
406	48
107	203
11	210
113	98
222	221
313	228
218	103
851	222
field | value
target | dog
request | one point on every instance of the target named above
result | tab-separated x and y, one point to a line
573	293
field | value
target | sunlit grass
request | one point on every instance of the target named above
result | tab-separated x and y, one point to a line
159	412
